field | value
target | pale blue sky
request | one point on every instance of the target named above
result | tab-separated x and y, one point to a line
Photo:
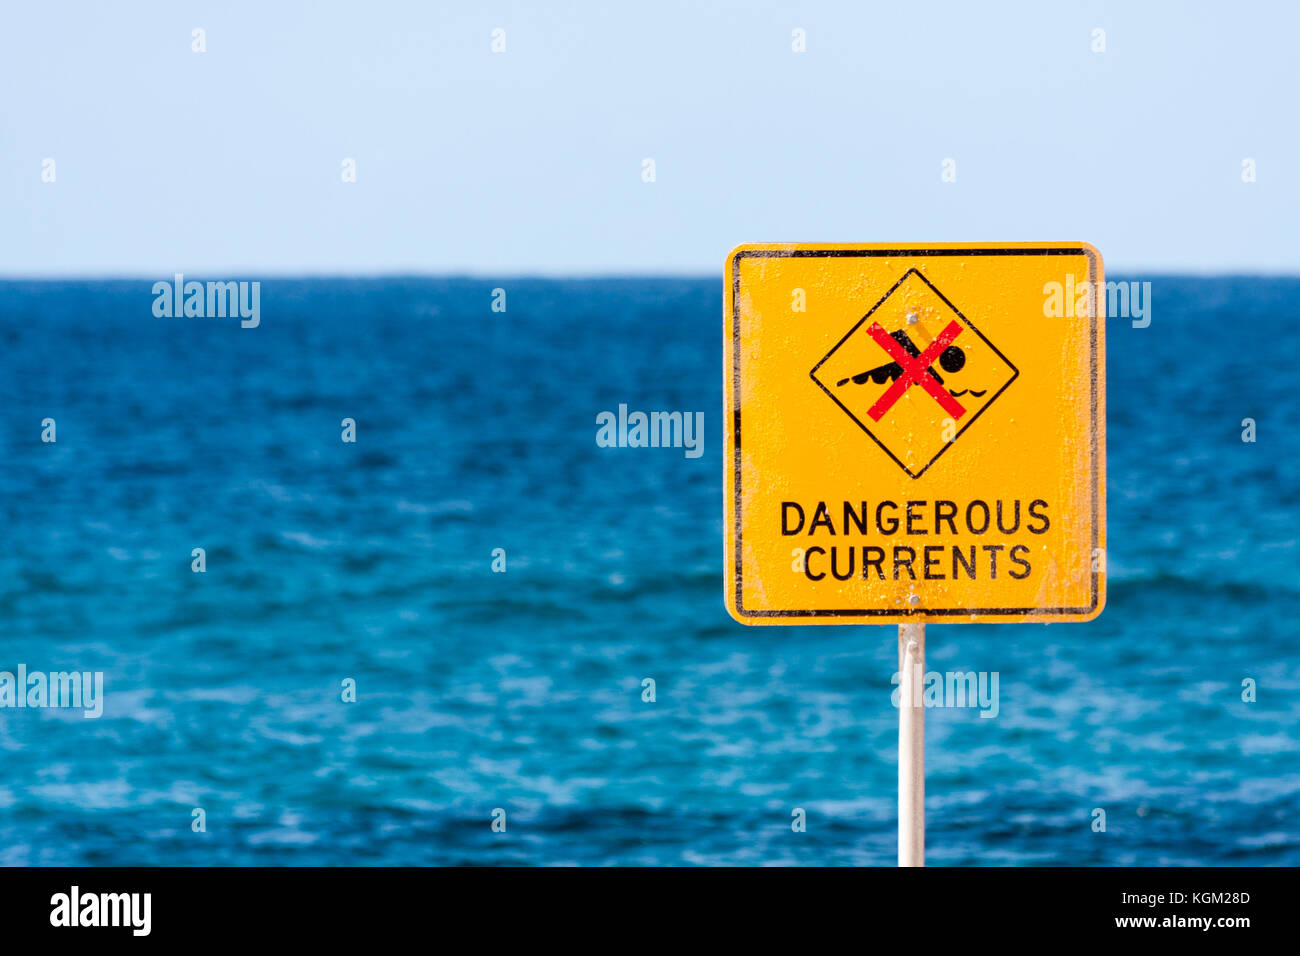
530	161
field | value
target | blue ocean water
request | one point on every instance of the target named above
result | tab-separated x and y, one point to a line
522	690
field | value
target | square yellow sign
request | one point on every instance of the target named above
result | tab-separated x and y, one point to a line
918	432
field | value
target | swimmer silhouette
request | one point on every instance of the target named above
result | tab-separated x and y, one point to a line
953	359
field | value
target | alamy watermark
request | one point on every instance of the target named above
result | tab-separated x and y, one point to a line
211	300
952	689
75	908
1123	300
64	689
653	430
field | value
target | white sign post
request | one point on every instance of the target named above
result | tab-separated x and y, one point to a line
911	745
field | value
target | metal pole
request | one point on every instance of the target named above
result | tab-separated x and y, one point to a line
911	745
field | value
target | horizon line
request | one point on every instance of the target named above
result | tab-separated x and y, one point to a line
312	275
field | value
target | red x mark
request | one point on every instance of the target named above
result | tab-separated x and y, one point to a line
916	371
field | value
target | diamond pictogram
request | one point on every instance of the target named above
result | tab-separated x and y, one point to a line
914	373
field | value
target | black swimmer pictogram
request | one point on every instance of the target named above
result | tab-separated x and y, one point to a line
952	360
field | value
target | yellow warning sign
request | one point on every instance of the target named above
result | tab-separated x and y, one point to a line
917	432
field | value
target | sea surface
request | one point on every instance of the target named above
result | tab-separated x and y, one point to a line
522	691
